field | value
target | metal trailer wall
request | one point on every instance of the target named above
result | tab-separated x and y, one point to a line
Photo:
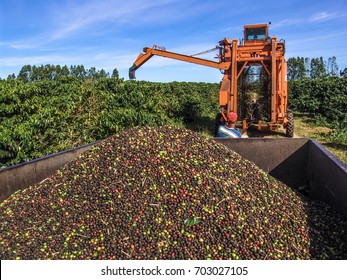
298	162
327	177
285	159
23	175
294	161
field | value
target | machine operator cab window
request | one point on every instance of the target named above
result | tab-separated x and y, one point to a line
255	33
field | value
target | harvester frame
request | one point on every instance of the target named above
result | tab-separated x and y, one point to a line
256	49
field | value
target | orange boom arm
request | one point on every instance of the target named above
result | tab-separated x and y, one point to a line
160	51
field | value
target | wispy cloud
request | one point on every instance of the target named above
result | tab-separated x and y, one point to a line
286	23
72	21
94	17
310	46
323	16
32	60
314	18
76	18
28	43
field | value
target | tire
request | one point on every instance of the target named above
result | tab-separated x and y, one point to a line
290	125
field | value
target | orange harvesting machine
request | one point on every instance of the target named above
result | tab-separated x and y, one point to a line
235	59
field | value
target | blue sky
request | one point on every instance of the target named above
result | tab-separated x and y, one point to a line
109	34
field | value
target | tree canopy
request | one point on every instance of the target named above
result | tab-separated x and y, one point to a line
313	68
31	73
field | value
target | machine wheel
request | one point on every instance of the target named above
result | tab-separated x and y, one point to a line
290	124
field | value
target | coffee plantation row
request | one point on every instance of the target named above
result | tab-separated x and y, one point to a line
46	116
326	98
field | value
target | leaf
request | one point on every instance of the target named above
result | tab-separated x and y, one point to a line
302	188
191	222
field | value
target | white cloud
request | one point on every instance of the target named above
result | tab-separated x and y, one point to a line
323	16
32	60
315	18
286	23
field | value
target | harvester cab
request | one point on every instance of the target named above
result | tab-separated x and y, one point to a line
256	33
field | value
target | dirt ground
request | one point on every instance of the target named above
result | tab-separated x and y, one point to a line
306	127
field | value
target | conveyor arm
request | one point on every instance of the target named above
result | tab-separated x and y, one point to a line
149	52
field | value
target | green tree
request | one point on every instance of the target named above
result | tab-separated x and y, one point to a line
93	74
332	67
318	69
64	71
296	68
45	72
24	74
115	73
11	77
103	74
78	71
